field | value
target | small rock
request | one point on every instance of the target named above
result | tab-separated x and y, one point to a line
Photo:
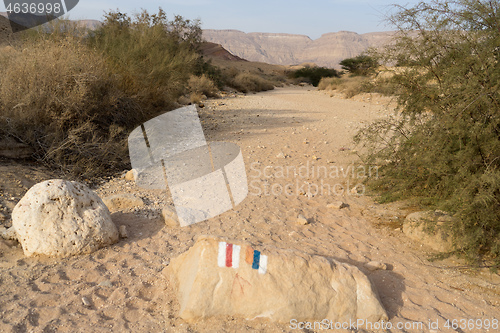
123	231
86	302
122	202
106	284
2	217
170	217
336	205
10	204
302	220
375	265
131	175
8	234
281	155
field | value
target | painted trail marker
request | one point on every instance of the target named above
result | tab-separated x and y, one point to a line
204	179
229	256
222	277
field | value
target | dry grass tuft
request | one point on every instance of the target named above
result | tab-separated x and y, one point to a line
248	82
202	85
351	86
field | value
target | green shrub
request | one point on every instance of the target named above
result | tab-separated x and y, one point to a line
444	147
214	73
313	75
152	56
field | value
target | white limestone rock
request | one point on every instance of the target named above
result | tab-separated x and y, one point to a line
375	265
62	218
336	205
302	220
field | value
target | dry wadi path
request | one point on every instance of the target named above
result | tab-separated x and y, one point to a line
288	137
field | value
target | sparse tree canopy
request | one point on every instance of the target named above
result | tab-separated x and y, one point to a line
360	65
444	145
315	74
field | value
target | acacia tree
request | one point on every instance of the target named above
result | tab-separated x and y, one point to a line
360	65
443	146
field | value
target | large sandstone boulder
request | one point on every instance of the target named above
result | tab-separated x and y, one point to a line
62	218
216	277
428	228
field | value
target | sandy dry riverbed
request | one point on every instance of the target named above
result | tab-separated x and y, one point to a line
297	148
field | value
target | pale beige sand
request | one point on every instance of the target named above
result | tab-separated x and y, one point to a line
125	284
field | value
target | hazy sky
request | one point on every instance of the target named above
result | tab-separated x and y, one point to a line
312	18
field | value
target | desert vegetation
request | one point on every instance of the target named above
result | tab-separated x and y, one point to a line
74	95
313	74
360	74
442	148
352	85
363	64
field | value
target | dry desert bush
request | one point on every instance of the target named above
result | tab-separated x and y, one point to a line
75	96
202	85
249	82
351	86
60	98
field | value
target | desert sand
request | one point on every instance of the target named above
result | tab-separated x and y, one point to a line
288	137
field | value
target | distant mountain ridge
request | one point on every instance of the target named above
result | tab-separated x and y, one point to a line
287	49
290	49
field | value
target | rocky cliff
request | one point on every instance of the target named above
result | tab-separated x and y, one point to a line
288	49
278	48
